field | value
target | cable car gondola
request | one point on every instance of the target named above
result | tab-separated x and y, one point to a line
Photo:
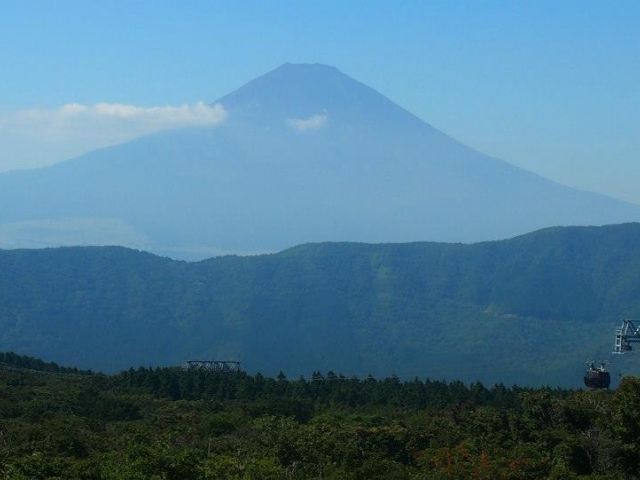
597	377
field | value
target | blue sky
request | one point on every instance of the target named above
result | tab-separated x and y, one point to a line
553	87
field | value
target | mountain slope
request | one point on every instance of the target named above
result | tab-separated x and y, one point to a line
306	154
527	310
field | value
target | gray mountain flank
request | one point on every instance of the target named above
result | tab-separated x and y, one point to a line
305	154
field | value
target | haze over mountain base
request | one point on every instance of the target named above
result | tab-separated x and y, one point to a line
305	154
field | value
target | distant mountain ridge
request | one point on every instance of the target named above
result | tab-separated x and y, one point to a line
530	310
306	154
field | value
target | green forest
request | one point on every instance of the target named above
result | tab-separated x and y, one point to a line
528	311
180	424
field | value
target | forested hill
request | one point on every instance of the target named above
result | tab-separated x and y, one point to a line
528	310
183	424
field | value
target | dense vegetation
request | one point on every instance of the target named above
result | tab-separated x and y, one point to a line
9	360
530	310
175	424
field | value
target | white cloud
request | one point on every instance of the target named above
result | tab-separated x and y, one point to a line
35	137
314	122
102	114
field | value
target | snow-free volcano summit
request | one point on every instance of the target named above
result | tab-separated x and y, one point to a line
305	153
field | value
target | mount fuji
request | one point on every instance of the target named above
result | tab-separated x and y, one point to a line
305	154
